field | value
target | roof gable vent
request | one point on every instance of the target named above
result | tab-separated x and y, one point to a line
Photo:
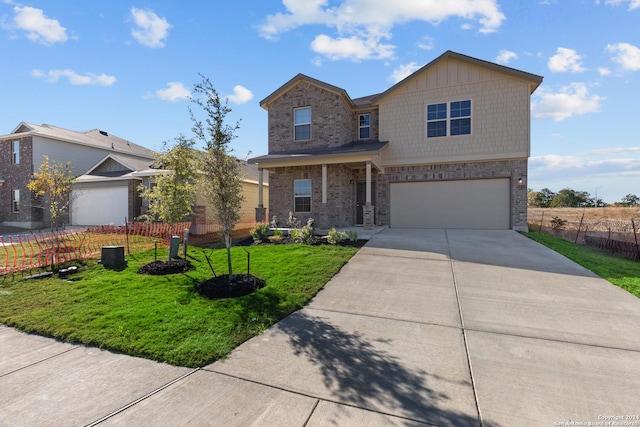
103	133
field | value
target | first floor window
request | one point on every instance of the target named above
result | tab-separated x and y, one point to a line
15	152
302	124
15	200
449	119
302	195
364	126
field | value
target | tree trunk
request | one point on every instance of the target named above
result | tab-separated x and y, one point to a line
227	242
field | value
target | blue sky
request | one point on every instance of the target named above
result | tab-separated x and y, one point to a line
128	67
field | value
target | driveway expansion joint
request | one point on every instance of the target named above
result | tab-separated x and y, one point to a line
40	361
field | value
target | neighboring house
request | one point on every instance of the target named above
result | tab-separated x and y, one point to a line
103	155
447	147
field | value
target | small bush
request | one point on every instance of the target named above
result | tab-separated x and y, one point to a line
558	224
260	232
334	237
304	235
352	235
276	238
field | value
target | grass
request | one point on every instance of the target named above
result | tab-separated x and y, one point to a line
163	318
621	272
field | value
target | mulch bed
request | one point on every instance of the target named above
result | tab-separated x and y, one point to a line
240	285
289	241
160	268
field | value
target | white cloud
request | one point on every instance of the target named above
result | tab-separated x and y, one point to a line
173	92
633	4
75	78
426	43
604	71
353	48
241	95
403	71
363	23
39	28
506	56
577	165
571	100
150	30
625	54
566	60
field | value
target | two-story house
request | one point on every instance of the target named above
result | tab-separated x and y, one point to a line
447	147
105	155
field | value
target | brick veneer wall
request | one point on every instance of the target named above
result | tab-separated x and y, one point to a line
17	176
340	207
332	121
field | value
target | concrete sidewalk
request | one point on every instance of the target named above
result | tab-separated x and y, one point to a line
421	327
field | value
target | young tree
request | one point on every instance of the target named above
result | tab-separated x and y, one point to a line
173	194
220	171
53	184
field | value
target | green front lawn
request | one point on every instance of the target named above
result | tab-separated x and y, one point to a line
621	272
162	317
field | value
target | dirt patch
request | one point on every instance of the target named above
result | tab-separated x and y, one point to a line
221	287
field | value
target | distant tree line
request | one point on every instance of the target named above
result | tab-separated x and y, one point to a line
569	198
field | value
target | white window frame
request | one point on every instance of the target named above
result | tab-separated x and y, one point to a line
15	152
296	125
15	201
296	196
360	126
447	119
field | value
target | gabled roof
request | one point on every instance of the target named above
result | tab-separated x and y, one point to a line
130	163
534	79
94	138
303	78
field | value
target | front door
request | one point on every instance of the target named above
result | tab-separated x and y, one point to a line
361	200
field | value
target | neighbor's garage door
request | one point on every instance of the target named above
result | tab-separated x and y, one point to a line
99	206
475	204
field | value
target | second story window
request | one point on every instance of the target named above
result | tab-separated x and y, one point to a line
15	152
449	119
364	126
302	124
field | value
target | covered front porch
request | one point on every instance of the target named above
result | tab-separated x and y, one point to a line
341	181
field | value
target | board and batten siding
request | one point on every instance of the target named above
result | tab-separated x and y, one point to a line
500	116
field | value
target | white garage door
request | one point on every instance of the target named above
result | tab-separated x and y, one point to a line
99	206
474	204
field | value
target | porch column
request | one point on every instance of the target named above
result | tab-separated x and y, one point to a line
368	210
324	184
368	200
261	212
260	185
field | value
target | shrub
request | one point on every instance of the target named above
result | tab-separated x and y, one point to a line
292	221
334	237
260	232
304	235
558	223
274	222
352	235
276	238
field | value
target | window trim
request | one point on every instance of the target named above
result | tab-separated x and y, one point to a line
15	152
295	125
15	201
361	127
295	197
447	119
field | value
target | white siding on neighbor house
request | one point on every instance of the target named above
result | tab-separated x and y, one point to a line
471	204
100	205
500	116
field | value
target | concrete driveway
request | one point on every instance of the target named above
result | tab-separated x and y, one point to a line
421	327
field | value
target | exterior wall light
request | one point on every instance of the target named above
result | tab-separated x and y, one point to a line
520	181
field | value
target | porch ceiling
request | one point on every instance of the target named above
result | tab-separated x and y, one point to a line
354	155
